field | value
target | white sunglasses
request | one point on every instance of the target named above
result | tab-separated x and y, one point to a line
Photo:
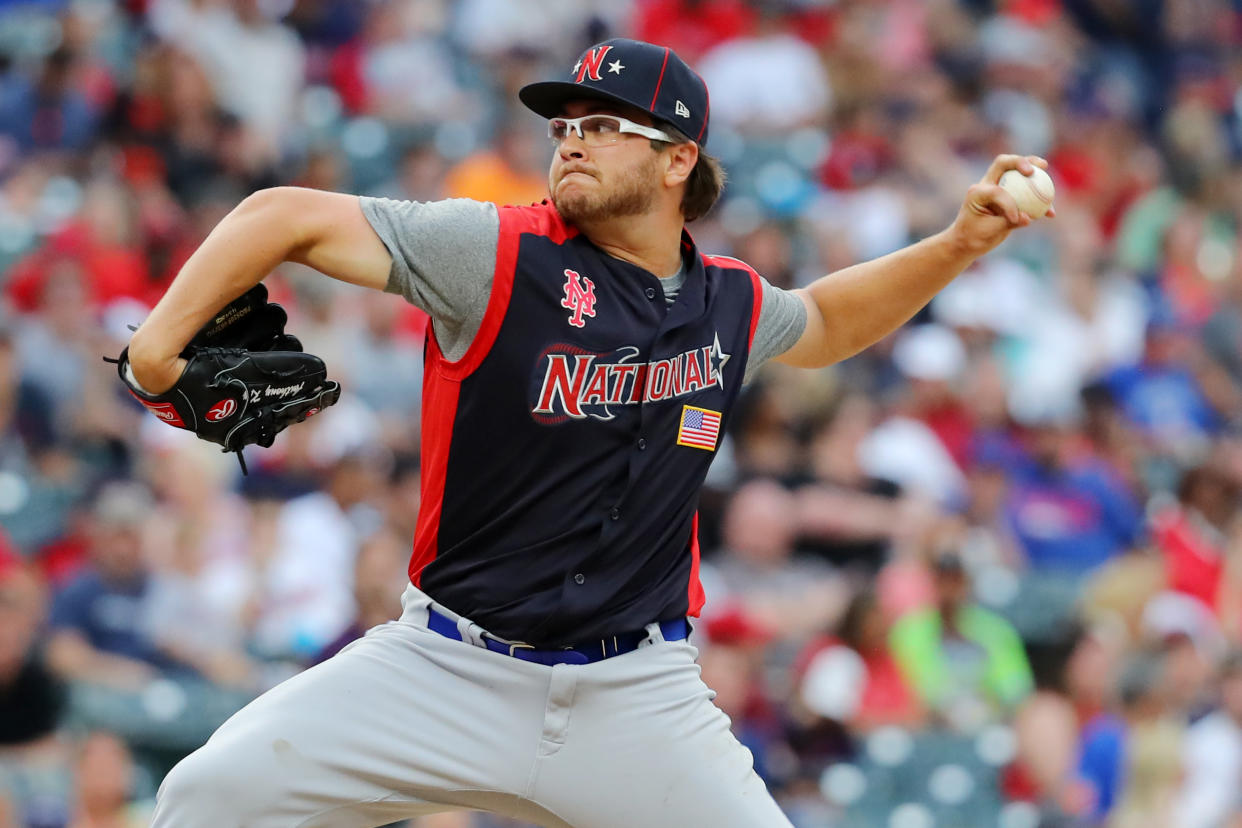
601	130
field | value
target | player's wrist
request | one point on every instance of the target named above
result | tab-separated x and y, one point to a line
959	245
152	370
271	382
161	378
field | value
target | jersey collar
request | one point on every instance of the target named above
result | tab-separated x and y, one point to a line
692	300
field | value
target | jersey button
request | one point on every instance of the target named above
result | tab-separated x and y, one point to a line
579	579
642	444
614	513
650	293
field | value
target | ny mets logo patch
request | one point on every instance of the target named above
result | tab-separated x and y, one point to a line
699	428
579	297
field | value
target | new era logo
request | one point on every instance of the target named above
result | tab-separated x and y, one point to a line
682	110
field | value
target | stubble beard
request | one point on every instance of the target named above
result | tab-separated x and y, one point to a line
633	195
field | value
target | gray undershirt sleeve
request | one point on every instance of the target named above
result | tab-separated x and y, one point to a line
781	321
443	259
444	256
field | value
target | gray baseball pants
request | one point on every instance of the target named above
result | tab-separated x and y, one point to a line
405	722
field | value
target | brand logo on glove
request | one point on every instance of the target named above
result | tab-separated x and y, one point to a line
163	410
222	410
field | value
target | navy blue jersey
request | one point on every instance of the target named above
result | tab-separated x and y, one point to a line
564	453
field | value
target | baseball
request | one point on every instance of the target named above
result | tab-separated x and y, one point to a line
1033	192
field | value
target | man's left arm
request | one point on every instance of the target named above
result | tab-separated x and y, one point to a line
851	309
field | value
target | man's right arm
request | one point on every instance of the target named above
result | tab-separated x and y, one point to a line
325	231
71	656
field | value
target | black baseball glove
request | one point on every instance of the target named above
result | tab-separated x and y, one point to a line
246	379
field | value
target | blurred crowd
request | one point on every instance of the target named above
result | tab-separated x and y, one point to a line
987	573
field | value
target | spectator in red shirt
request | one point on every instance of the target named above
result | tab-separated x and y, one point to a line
1191	534
853	678
732	650
934	361
691	27
101	241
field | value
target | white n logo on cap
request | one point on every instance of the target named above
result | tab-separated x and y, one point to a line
682	110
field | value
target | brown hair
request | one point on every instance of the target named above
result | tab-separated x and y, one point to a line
707	179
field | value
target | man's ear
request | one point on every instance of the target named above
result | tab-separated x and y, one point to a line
679	163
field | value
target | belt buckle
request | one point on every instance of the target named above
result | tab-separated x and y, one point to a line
519	646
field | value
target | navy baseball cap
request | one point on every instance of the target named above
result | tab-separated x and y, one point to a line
649	77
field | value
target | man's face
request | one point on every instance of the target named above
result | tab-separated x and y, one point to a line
1231	695
117	551
1047	445
591	184
952	588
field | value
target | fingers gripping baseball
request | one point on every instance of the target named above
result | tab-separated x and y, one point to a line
989	212
1022	163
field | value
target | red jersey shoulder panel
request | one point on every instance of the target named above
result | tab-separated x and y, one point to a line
537	219
540	219
756	285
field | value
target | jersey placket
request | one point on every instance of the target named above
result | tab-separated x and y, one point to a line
651	416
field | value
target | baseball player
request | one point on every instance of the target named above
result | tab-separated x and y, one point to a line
583	360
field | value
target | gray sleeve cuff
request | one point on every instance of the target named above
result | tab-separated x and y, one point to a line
443	259
782	321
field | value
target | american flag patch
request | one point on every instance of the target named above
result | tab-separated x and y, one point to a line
699	428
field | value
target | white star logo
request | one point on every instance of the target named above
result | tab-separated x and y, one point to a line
615	67
717	363
577	66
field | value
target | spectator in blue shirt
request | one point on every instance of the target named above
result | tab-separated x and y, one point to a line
1160	394
47	112
96	621
1069	513
1102	757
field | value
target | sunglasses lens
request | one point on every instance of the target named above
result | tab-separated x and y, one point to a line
602	129
594	130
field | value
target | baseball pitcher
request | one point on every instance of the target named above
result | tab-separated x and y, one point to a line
583	360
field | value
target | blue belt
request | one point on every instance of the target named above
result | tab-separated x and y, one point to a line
674	630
